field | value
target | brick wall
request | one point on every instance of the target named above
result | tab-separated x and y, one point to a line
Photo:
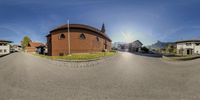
57	46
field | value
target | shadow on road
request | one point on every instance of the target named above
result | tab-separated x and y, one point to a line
148	55
6	54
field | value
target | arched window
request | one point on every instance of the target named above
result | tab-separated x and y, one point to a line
97	38
82	36
62	36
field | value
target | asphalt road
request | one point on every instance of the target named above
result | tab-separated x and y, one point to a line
126	77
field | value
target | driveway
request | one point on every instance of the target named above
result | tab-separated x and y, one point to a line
126	77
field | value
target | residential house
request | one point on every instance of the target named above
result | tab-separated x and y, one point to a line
121	46
135	46
42	49
4	47
188	47
16	48
32	47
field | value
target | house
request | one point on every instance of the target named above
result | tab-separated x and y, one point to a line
16	48
124	47
121	46
188	47
4	47
42	49
77	38
135	46
32	47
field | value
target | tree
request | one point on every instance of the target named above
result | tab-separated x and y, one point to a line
145	49
25	42
170	49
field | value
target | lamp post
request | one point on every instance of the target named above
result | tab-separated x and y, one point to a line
68	32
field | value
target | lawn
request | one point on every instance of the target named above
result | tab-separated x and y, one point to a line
183	58
81	56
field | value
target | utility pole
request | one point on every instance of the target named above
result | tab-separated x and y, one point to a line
68	32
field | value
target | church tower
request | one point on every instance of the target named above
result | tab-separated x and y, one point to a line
103	30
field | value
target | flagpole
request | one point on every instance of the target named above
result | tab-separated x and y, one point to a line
68	37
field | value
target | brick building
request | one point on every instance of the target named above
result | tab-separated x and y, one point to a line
32	47
82	39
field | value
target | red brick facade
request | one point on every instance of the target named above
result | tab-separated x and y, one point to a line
83	39
32	47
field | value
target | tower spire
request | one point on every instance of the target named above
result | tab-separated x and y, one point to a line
103	30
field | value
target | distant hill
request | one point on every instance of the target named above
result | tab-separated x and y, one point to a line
160	45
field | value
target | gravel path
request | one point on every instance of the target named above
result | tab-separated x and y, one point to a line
126	77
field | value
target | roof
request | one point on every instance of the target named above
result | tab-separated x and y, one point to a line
138	42
183	41
5	41
80	26
35	44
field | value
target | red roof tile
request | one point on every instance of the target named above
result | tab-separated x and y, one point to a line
35	44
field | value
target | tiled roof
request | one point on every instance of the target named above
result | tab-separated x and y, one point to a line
5	41
35	44
187	41
80	26
138	42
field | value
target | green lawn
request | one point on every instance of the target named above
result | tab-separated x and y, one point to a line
81	56
183	58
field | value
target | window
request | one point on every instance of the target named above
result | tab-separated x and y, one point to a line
188	44
82	36
197	44
5	50
62	36
2	44
97	38
0	51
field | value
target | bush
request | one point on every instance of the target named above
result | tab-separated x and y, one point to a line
145	49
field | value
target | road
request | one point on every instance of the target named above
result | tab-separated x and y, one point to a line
126	77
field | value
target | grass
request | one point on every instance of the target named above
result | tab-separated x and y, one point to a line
80	56
183	58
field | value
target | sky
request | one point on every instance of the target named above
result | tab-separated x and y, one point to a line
125	20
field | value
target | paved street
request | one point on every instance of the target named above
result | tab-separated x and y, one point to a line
126	77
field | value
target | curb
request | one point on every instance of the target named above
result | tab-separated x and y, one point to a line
81	64
4	55
180	59
77	63
62	60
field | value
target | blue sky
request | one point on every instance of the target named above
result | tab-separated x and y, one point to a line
125	20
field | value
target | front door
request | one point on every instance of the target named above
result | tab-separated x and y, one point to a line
105	46
189	51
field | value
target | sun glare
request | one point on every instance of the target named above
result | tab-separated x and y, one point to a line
127	37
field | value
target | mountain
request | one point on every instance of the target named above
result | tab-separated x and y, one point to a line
160	45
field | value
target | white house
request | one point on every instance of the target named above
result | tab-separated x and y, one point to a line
121	46
135	46
16	48
4	47
188	47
